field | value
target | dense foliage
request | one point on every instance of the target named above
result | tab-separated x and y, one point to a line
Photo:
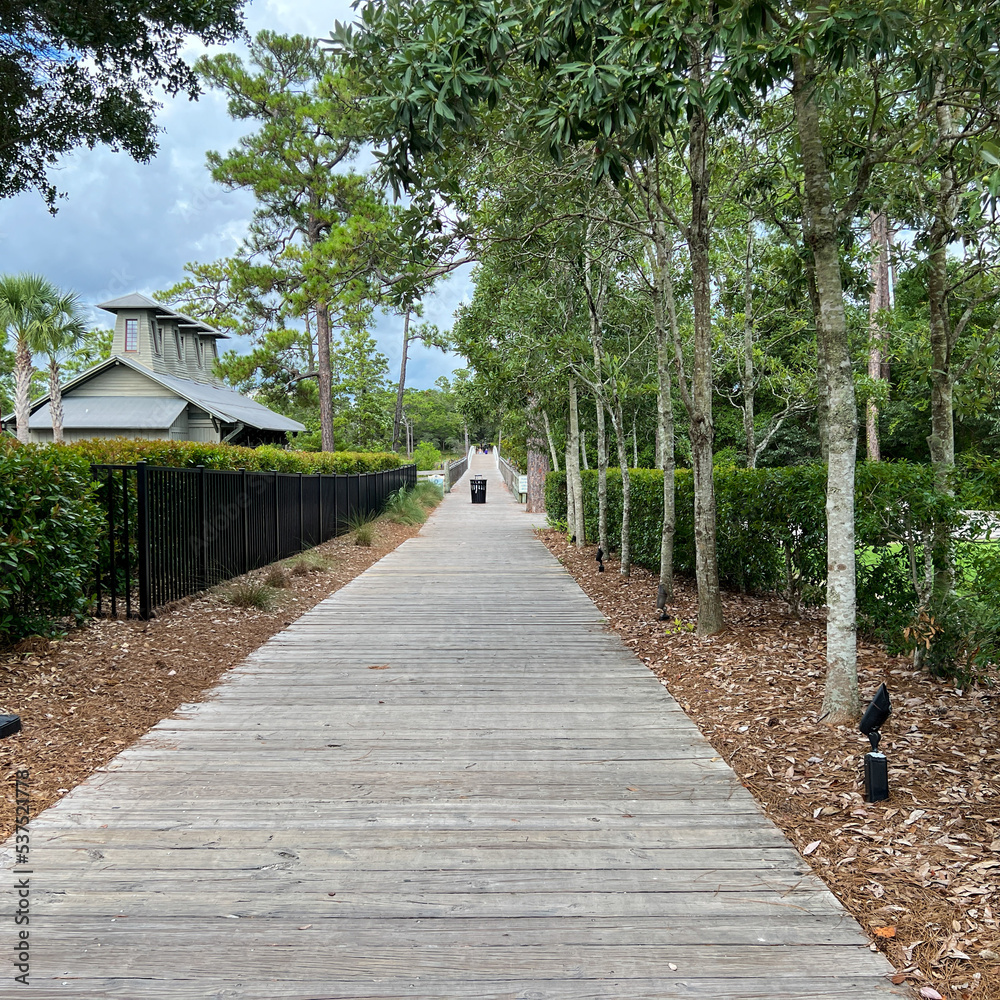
75	74
772	539
49	526
122	451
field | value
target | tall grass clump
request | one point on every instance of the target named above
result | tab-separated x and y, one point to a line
251	594
412	506
362	527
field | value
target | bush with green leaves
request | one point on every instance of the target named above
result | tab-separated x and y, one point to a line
189	454
771	538
426	456
49	528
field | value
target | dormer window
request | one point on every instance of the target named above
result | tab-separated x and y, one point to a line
131	335
155	330
179	343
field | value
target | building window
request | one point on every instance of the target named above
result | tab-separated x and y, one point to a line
179	344
157	342
131	335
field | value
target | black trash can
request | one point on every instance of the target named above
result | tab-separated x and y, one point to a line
478	485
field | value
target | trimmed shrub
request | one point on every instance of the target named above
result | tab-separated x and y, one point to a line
771	537
49	527
123	451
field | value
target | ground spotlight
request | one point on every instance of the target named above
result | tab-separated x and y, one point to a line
9	724
876	765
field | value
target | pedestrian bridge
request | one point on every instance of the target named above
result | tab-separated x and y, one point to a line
447	780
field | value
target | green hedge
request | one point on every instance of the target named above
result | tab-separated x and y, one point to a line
771	530
124	451
49	528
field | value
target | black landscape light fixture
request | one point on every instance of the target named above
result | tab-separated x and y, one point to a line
600	559
876	765
9	724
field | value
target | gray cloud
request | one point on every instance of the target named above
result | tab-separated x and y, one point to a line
124	226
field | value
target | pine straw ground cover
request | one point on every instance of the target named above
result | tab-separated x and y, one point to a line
87	697
920	872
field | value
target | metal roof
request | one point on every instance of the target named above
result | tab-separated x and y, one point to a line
137	301
112	412
228	405
220	402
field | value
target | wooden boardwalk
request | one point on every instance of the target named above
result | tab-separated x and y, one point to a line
447	780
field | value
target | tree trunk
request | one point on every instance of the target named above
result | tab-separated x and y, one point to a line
840	699
325	376
23	371
538	462
602	479
625	542
400	389
635	445
574	483
465	428
595	302
749	434
583	448
665	318
55	402
878	301
570	499
942	436
551	440
702	428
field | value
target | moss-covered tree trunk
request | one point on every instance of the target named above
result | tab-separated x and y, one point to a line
574	482
840	699
665	318
702	427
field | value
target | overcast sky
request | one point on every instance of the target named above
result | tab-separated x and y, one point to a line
126	227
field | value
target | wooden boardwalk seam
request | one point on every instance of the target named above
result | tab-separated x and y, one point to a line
511	807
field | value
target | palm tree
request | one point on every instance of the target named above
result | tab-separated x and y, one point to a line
24	301
60	328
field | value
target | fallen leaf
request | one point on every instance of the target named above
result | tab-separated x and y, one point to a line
929	993
672	967
811	847
305	927
884	932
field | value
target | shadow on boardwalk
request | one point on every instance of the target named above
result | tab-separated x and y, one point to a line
446	780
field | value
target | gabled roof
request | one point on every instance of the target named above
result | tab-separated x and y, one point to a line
109	412
137	301
224	404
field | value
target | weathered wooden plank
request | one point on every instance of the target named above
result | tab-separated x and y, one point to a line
181	986
514	808
767	927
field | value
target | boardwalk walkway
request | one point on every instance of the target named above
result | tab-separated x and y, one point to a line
447	780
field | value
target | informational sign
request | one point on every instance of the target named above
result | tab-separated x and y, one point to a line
522	484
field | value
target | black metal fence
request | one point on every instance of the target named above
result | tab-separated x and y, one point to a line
174	532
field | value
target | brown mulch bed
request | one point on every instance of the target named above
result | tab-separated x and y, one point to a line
920	872
84	698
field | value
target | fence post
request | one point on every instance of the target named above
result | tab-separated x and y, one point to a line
302	523
246	521
99	595
142	539
202	531
277	527
321	478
